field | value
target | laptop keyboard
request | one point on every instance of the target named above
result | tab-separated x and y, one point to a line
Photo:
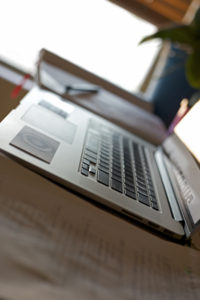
118	163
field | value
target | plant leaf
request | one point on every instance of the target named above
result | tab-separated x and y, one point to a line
183	34
196	20
193	68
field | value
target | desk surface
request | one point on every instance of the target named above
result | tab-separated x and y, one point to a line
55	245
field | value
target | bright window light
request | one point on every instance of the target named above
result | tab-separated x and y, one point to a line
188	130
97	35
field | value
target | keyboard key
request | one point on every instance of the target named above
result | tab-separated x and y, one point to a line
104	164
130	188
127	161
139	168
92	143
128	168
85	166
129	178
148	173
116	148
142	191
102	177
116	159
141	185
141	179
154	205
86	161
153	199
143	199
91	159
105	148
117	173
84	172
128	172
152	192
116	152
116	177
130	194
116	185
92	149
87	152
105	152
105	145
92	170
104	160
117	168
116	163
150	186
129	182
104	156
104	169
140	175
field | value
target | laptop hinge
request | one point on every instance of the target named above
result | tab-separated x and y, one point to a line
167	185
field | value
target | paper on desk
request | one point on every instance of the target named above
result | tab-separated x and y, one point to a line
105	104
56	246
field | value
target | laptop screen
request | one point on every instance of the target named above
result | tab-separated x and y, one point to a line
188	131
183	150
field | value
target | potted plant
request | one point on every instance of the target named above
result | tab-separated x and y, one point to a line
185	41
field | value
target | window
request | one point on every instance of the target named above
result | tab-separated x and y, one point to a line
96	35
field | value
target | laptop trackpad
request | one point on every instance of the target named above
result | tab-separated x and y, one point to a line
35	143
51	123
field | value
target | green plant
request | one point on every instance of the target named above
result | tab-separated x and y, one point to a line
187	36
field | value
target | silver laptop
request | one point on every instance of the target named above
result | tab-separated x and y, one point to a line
157	186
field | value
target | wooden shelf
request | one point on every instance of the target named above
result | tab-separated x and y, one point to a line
161	12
